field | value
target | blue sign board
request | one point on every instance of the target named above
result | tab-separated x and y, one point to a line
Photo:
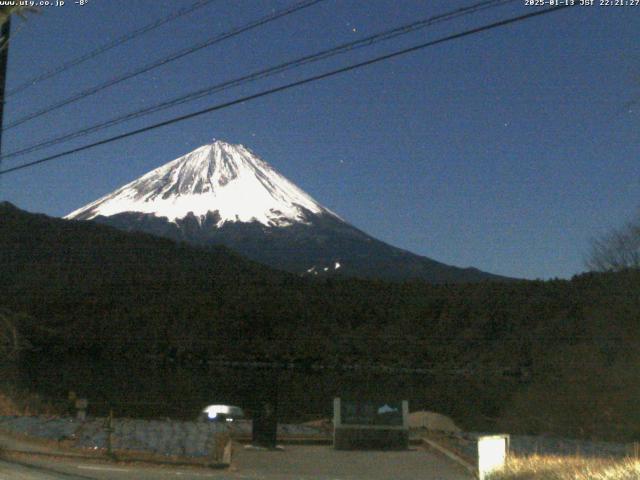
371	413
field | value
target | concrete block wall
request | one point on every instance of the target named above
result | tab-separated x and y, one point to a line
153	436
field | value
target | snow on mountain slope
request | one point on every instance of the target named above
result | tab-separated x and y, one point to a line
223	194
220	177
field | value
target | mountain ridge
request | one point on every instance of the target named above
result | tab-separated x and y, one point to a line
224	194
222	177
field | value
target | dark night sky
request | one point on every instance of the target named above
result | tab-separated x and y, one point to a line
507	150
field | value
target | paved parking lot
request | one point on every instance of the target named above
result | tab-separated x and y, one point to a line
299	462
325	463
294	463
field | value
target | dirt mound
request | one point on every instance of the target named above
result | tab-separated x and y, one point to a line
432	421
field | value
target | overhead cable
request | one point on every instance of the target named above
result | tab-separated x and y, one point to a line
163	61
288	86
264	73
105	47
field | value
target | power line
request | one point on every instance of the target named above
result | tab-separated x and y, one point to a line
163	61
322	55
288	86
107	46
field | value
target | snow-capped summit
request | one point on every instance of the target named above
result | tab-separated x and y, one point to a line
223	194
221	178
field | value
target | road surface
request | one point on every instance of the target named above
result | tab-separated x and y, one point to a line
295	462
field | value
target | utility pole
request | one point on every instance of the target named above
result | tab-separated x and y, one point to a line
4	57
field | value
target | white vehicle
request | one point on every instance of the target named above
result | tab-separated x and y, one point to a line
221	413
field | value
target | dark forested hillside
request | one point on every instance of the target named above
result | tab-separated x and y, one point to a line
555	356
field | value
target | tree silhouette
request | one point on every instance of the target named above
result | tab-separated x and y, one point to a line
617	250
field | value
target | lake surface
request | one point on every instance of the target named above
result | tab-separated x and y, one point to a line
149	389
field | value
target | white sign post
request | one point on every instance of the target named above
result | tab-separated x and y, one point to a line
492	454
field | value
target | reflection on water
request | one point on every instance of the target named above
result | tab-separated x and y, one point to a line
150	390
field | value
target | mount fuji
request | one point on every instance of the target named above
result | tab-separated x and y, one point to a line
223	193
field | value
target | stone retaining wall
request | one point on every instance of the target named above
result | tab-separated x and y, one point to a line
163	437
192	439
